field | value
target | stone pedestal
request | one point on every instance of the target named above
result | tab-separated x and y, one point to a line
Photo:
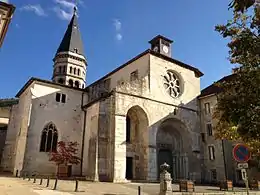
165	180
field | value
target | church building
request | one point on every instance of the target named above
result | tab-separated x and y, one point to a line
127	123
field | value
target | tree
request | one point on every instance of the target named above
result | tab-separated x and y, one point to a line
238	107
66	154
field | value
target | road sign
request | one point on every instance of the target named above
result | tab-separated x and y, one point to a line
242	165
241	153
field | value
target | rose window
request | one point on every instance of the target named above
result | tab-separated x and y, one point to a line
172	84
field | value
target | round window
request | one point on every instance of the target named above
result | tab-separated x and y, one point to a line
172	84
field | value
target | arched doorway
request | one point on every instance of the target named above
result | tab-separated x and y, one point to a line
136	144
171	144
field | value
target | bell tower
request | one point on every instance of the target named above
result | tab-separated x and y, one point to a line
161	45
70	64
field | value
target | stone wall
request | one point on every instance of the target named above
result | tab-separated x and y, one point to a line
67	117
8	157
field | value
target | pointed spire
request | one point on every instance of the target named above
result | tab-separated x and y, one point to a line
72	38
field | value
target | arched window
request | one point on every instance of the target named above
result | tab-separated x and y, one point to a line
79	72
49	138
61	81
77	84
83	85
75	70
71	82
70	69
60	69
64	69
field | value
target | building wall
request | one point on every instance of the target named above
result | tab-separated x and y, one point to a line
219	163
147	93
67	117
9	149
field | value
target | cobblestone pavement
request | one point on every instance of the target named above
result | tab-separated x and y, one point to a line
18	186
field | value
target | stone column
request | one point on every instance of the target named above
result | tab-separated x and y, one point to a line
165	180
120	149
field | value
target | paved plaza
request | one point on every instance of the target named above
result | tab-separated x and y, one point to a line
18	186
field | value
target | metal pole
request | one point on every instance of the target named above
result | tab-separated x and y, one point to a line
139	190
29	178
224	159
34	179
41	181
48	182
76	186
247	187
55	184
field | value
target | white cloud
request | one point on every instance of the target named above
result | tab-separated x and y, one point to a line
64	9
62	14
118	27
6	1
117	24
119	36
37	9
65	3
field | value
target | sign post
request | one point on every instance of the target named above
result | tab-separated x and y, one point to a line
242	155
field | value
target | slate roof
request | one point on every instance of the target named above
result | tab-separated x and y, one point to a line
8	102
72	38
213	88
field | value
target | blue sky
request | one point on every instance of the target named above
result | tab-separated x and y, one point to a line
113	32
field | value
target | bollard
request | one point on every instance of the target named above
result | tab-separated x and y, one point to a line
16	174
29	178
24	176
55	184
48	182
139	190
34	179
76	186
41	181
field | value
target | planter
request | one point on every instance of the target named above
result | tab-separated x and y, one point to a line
226	185
187	186
254	185
64	171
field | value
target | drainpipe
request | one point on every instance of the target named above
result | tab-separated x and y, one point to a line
83	135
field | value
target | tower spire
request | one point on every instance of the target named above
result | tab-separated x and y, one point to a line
70	51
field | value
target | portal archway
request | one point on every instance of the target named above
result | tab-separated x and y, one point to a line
136	144
172	147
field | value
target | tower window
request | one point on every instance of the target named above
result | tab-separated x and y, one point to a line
71	82
61	81
64	69
59	69
77	84
82	85
75	70
79	72
75	50
63	98
70	69
60	97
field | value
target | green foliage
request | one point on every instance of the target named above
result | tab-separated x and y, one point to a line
238	108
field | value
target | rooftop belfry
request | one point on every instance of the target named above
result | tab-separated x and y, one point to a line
70	64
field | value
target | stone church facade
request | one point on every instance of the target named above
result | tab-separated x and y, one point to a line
142	114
